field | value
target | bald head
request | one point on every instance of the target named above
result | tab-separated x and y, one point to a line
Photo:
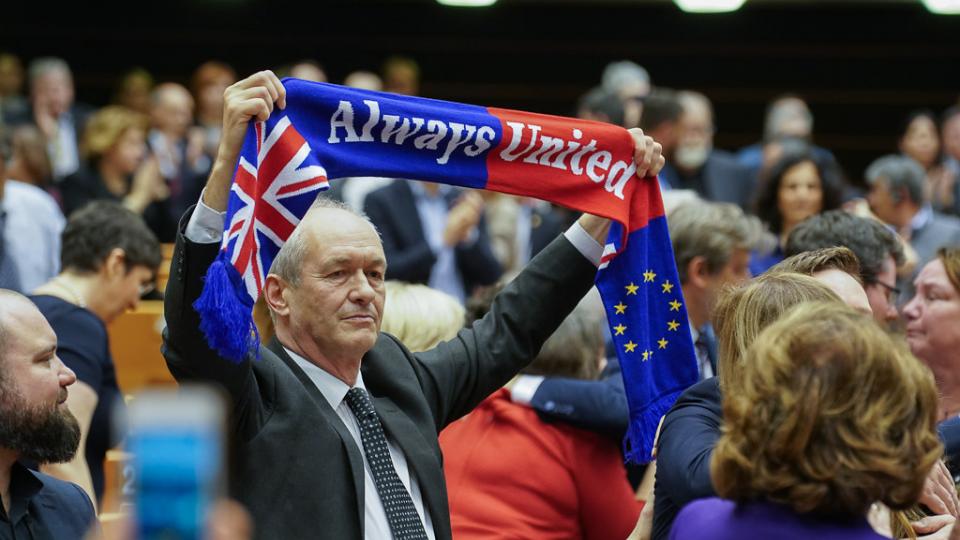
171	109
20	319
846	287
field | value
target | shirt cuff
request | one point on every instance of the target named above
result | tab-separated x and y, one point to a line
524	387
585	244
205	225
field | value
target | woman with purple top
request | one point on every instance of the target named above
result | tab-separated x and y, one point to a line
833	416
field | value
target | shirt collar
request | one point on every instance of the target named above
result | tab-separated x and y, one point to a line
420	193
332	388
23	486
921	218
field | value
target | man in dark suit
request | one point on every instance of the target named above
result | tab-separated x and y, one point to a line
896	196
435	235
37	426
695	164
55	113
335	425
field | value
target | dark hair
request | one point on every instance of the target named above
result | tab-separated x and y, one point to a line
914	115
601	101
660	107
949	114
96	229
831	184
869	240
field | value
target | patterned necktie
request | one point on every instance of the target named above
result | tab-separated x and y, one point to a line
401	513
9	275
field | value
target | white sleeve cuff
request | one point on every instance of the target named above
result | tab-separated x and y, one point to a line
524	387
205	225
584	243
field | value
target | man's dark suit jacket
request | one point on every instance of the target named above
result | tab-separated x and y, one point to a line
720	179
296	467
689	433
393	210
46	508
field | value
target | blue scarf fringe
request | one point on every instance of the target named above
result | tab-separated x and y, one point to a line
226	312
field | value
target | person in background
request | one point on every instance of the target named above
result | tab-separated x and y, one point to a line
631	82
12	102
600	105
177	148
420	317
30	225
208	83
796	187
897	197
29	161
695	164
950	136
920	141
133	90
55	113
878	251
510	474
823	381
366	80
109	261
401	75
308	70
114	145
788	117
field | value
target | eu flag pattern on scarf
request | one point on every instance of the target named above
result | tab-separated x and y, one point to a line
328	132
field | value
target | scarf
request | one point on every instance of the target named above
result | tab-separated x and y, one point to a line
328	132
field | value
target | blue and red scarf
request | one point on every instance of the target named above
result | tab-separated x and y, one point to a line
328	132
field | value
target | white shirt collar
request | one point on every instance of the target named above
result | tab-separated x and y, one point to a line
332	388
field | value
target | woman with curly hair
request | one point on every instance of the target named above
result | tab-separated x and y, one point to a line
832	416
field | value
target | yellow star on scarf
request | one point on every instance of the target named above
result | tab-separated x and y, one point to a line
647	355
675	305
667	286
619	329
631	288
649	276
630	346
662	343
621	308
673	325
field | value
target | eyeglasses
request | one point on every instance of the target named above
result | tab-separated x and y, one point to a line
147	288
892	292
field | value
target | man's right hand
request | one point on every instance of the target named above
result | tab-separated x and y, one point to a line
463	218
250	99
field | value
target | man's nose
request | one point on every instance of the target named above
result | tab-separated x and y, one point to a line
66	375
362	291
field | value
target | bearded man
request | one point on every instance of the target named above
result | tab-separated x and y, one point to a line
35	426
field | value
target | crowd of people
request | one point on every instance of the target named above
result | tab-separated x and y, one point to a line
436	364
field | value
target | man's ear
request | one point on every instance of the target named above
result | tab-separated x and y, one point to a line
273	289
697	272
114	264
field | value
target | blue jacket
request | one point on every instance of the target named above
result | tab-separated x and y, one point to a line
43	507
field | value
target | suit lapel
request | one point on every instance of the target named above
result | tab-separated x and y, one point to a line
349	444
420	459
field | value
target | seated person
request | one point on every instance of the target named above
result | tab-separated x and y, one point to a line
420	317
830	415
510	474
36	425
109	258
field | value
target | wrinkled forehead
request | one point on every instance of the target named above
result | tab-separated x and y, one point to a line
334	227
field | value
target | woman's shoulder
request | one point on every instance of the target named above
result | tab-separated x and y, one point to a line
65	316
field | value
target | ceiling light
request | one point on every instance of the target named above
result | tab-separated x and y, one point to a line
709	6
943	7
467	3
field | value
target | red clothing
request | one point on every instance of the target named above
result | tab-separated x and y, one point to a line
510	475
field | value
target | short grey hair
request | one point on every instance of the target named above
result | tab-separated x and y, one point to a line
623	73
899	173
47	64
289	260
712	231
783	109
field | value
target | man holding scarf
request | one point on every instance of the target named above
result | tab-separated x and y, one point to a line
334	424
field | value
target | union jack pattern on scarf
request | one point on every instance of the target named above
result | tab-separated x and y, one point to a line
264	199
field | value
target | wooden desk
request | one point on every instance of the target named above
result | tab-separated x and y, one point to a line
135	345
